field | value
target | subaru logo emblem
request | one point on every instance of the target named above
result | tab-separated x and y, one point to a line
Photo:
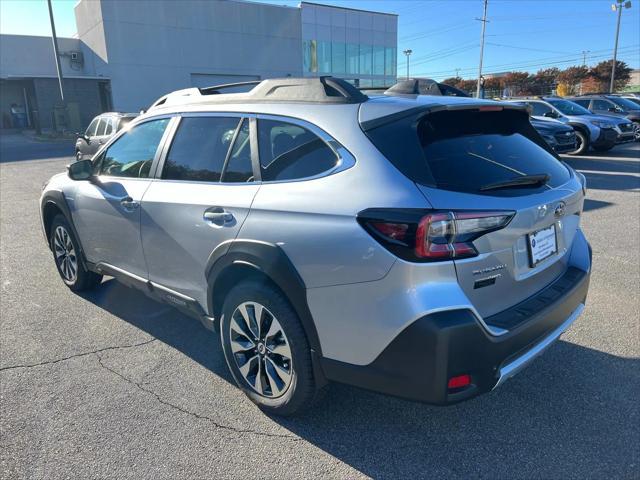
560	209
542	211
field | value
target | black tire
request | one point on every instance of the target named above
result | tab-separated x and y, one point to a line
582	142
301	390
603	149
82	279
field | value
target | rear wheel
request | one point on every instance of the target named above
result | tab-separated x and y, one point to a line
582	144
636	131
266	348
66	255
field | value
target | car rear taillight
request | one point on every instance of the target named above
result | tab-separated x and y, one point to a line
420	235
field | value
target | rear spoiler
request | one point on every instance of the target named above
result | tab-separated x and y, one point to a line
423	110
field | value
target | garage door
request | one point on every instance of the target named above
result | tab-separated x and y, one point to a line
202	80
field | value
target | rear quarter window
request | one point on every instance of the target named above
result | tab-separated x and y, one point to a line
465	150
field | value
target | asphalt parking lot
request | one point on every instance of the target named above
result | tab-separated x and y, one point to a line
111	384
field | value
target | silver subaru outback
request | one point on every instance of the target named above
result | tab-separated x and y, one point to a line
423	247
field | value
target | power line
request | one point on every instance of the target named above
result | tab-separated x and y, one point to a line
507	67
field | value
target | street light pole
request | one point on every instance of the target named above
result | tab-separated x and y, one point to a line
617	7
484	24
55	48
408	52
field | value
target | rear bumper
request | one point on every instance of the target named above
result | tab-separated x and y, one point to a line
418	363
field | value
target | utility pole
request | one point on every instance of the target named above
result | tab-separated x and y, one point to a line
408	52
55	49
457	72
484	24
584	57
617	7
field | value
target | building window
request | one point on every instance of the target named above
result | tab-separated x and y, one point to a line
338	58
310	56
378	60
353	54
324	57
390	63
366	57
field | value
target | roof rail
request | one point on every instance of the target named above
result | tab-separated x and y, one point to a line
216	88
297	90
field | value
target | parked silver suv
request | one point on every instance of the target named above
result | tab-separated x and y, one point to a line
425	247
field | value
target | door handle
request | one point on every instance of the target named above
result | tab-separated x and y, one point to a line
129	204
217	216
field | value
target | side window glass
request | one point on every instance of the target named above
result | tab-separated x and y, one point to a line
539	109
582	103
199	149
602	105
239	167
132	154
109	127
91	129
101	127
290	152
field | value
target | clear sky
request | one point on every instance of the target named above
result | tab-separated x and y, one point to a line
443	34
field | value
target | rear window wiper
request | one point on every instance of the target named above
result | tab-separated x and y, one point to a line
523	181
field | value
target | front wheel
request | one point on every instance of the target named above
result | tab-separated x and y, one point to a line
66	255
266	348
582	144
636	131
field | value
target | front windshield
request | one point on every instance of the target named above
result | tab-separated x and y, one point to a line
569	108
624	103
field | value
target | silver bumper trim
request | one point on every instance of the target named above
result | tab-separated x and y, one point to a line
513	367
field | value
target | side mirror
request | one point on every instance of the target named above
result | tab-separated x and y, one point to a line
81	170
614	109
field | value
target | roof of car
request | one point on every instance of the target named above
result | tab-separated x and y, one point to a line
324	97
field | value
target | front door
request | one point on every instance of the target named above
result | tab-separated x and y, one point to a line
201	199
106	209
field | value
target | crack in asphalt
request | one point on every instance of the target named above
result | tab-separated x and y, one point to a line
141	387
77	355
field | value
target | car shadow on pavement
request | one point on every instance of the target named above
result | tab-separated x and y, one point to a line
163	322
572	413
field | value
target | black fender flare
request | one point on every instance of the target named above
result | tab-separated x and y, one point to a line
270	260
580	127
56	197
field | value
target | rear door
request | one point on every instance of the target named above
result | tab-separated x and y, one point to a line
200	198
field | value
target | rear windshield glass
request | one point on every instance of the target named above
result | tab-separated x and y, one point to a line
465	151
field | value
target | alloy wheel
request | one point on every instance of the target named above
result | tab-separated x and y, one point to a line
261	349
65	254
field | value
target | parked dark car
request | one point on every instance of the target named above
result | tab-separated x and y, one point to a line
101	129
424	86
561	137
613	105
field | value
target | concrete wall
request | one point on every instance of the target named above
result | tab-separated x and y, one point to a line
154	47
30	56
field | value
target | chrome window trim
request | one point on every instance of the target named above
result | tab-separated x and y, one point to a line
345	159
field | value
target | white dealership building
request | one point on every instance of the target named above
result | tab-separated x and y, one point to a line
127	54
